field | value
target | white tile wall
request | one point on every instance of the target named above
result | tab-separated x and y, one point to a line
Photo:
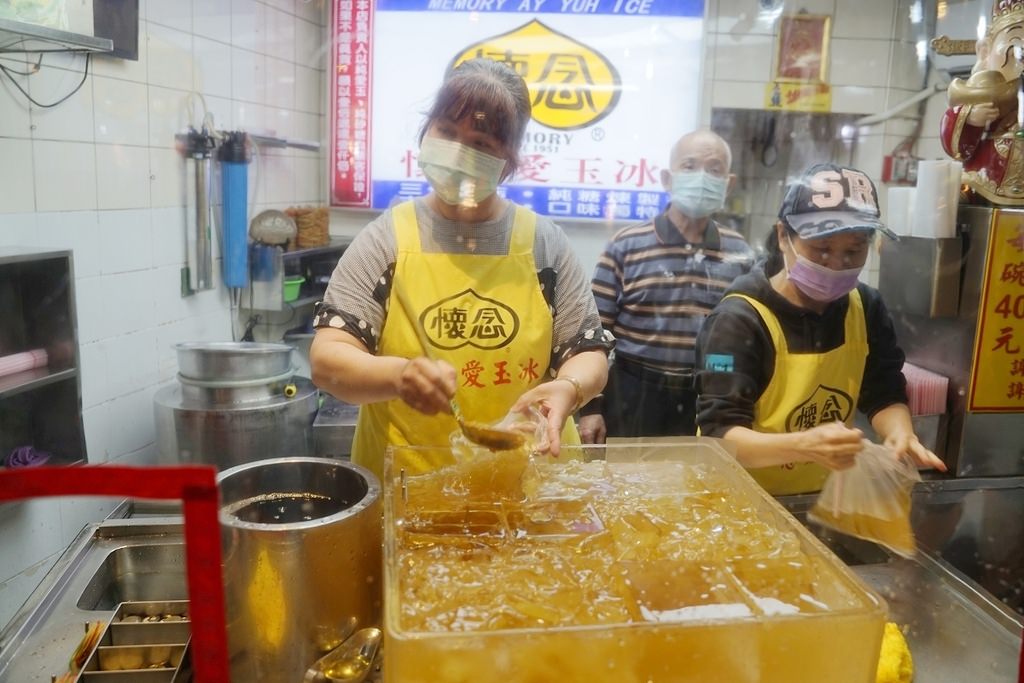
16	174
99	174
864	19
71	120
14	112
78	230
65	175
860	62
119	184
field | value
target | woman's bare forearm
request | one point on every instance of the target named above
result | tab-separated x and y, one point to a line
343	367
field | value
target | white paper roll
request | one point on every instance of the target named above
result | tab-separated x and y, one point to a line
953	181
934	211
899	211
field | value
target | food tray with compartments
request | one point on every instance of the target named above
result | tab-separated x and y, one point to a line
144	642
657	562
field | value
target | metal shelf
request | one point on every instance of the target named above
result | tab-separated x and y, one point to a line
17	36
32	379
304	301
332	246
273	141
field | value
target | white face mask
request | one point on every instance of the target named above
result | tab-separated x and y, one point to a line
459	175
698	193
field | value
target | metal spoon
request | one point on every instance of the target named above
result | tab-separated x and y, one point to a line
350	662
477	432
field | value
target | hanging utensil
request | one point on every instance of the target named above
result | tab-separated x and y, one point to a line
477	432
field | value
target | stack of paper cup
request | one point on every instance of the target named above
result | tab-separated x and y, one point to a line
899	212
19	362
935	199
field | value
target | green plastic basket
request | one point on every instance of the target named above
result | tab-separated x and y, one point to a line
292	285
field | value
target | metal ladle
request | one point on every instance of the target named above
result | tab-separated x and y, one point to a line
350	662
477	432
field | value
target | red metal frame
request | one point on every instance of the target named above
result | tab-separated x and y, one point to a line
196	486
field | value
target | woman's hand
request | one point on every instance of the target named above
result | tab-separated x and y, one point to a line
593	428
907	445
832	445
555	401
427	385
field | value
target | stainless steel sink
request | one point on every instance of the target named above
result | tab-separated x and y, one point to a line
137	573
109	562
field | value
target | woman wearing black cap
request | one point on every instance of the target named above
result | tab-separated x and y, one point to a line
798	344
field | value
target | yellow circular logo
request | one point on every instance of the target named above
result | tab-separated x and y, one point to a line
571	85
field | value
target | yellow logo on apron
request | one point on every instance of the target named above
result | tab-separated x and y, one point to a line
571	85
826	404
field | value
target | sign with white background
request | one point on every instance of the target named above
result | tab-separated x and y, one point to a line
613	84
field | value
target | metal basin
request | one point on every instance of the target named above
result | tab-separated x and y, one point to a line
233	361
137	573
302	561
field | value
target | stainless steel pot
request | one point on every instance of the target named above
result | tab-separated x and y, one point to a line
233	361
302	562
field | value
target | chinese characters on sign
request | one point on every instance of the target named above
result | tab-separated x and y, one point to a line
641	196
997	378
351	70
601	124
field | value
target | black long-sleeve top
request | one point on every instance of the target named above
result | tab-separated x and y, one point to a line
734	328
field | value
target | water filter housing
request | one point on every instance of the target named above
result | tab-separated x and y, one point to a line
233	155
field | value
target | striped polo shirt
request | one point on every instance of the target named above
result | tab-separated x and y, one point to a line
654	289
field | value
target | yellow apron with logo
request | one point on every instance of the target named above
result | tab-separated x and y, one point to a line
483	314
807	390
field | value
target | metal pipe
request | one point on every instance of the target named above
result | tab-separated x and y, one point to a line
199	254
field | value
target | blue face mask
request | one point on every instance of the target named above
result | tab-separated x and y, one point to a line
698	194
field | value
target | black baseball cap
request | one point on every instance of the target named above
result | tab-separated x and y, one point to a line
829	199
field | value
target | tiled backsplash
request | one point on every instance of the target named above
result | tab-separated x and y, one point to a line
99	174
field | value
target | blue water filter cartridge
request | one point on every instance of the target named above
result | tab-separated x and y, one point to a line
234	172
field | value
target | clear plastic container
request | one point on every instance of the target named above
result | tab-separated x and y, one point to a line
661	562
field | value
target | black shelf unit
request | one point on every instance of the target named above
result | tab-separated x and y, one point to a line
41	407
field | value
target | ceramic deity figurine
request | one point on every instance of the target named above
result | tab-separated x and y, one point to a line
984	126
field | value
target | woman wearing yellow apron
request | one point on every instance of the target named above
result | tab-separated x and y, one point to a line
797	345
502	298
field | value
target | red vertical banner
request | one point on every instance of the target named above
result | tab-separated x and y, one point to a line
351	101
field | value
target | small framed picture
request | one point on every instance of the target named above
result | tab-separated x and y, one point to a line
803	48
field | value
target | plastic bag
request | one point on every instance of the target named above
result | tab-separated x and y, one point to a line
871	500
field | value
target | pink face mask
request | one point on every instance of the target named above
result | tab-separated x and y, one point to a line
820	283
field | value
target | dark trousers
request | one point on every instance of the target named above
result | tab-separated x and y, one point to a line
642	402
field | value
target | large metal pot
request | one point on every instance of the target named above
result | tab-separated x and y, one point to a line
302	562
233	361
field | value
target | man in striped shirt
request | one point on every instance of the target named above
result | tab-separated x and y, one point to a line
654	285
